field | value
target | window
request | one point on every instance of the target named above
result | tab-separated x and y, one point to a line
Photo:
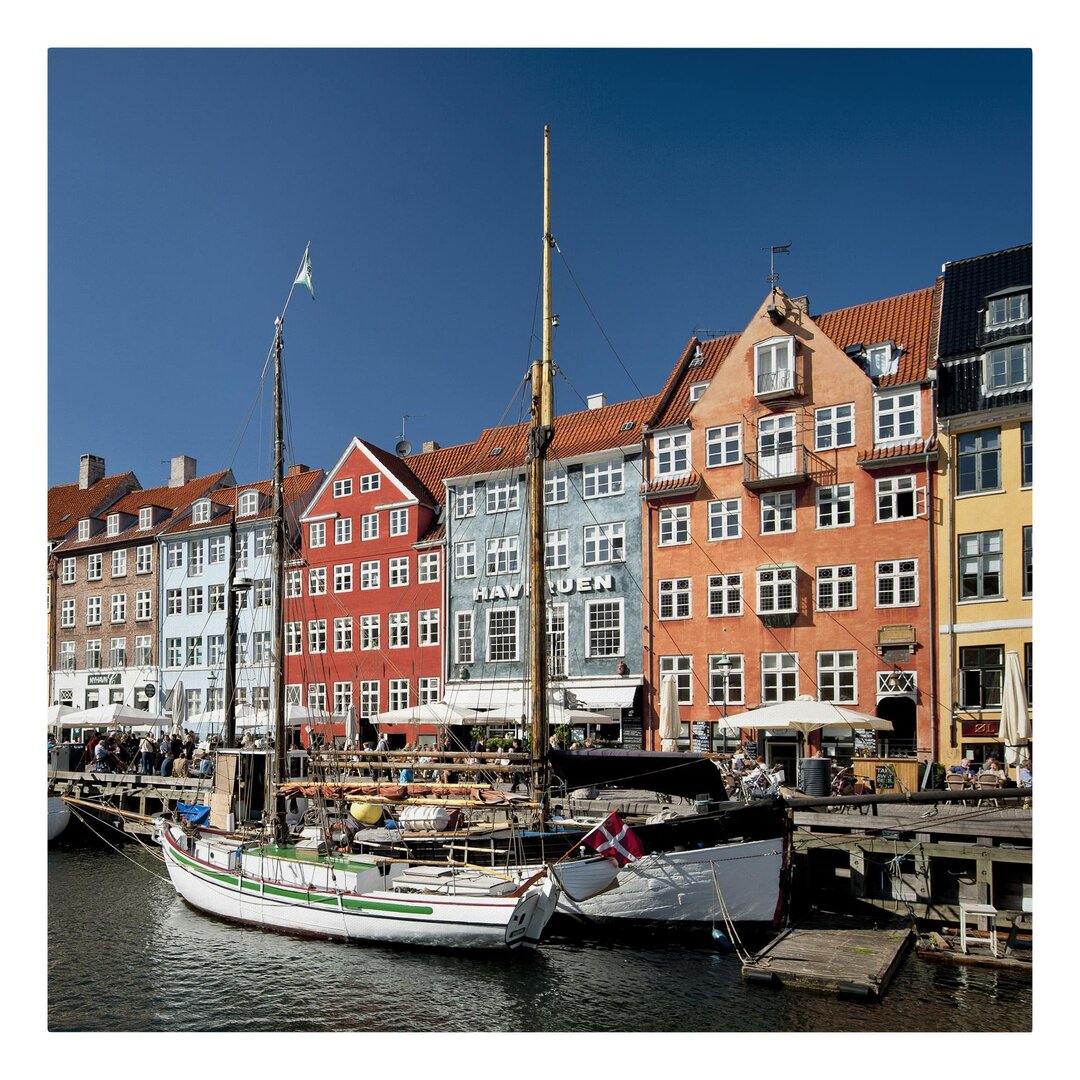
463	638
427	690
397	572
260	647
555	487
556	639
778	512
84	529
982	671
557	549
1027	580
399	522
119	563
67	613
342	696
218	550
837	677
118	607
898	583
427	567
342	488
294	584
774	365
834	426
112	525
671	454
427	626
777	591
174	555
369	632
725	519
194	651
725	594
978	461
294	638
836	588
779	677
881	360
317	534
67	655
723	445
895	498
464	501
262	593
697	389
316	635
502	495
980	565
200	512
465	559
215	650
144	559
398	693
316	697
674	525
835	506
673	596
342	634
146	517
502	555
604	631
605	543
343	578
93	567
93	611
195	558
317	581
67	571
599	481
93	654
398	629
369	526
371	482
1007	368
369	698
726	681
896	417
682	667
217	598
1025	454
369	574
143	654
247	504
1005	310
502	635
343	530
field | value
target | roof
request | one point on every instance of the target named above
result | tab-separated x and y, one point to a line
967	283
68	503
432	467
676	406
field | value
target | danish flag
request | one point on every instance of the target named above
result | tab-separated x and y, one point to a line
615	839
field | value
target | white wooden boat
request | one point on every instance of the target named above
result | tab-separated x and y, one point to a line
353	898
59	816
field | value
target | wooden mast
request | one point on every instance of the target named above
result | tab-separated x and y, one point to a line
277	512
540	435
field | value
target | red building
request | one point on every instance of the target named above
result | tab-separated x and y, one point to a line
787	529
364	602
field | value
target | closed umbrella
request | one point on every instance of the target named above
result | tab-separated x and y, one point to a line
179	708
352	728
670	726
1015	728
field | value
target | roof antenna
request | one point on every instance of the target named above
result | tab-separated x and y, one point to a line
403	445
772	310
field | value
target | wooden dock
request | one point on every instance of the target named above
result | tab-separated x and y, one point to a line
839	958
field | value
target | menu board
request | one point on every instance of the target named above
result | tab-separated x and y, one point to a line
700	736
632	735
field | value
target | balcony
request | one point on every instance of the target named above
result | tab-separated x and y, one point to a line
785	382
796	465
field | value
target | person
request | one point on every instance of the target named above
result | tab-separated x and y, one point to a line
738	761
1025	773
206	765
589	744
517	778
167	762
189	745
146	755
555	742
180	765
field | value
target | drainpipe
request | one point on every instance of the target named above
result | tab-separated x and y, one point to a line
647	711
950	526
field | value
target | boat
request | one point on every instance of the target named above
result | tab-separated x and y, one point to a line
308	889
59	816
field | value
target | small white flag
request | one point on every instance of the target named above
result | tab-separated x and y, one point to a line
304	276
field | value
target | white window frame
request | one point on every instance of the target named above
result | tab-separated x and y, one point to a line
777	590
119	563
593	633
674	598
93	566
725	519
896	572
67	613
555	487
200	512
779	677
397	572
604	543
343	530
463	637
696	390
730	685
502	555
897	417
343	578
93	611
316	581
556	549
146	517
144	559
772	357
370	575
67	570
370	482
723	446
397	629
427	567
369	526
343	633
671	454
464	501
399	521
682	667
725	593
316	636
343	487
838	676
502	495
427	626
891	493
674	527
317	534
777	512
835	506
601	480
834	426
999	369
247	504
370	632
464	559
509	636
834	584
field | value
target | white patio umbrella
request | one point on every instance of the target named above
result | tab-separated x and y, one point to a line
804	715
670	726
432	712
106	716
179	708
1015	728
57	713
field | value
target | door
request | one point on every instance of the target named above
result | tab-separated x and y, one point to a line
776	446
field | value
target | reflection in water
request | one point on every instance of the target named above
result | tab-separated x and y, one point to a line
183	971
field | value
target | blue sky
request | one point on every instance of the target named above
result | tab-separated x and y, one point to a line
184	185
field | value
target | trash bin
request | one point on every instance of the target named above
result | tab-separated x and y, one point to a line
814	774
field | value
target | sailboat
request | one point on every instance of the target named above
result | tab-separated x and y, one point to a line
308	889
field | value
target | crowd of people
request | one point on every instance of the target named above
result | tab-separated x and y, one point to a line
993	767
167	754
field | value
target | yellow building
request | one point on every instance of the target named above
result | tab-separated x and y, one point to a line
983	509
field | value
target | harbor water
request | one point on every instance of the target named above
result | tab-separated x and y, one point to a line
126	954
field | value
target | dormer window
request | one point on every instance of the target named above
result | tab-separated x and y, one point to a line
1007	310
146	517
112	525
774	366
84	529
881	359
200	512
247	504
697	389
1007	369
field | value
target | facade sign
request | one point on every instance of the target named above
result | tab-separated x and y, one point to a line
979	729
103	680
555	586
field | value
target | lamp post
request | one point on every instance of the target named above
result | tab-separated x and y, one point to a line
723	662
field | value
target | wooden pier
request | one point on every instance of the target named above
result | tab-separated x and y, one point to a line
837	958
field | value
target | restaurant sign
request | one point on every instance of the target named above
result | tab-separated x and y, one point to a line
555	586
112	679
979	729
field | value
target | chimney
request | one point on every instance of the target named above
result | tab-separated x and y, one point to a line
597	401
91	470
183	470
429	446
296	470
802	303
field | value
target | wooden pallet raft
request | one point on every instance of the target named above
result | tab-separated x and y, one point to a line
840	959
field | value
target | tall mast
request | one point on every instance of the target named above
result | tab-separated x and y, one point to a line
230	635
540	435
277	512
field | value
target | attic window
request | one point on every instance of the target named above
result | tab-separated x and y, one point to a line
1007	310
248	504
146	517
495	451
112	525
697	389
628	426
84	529
200	512
881	359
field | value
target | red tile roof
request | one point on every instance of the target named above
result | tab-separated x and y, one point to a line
432	467
68	503
892	453
675	485
675	396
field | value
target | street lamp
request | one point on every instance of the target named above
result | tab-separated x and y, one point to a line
723	663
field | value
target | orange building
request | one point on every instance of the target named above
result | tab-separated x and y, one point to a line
786	530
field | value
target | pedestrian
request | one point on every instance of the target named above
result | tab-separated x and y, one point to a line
167	762
189	745
146	755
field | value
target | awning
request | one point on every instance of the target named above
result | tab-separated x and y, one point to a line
606	697
506	699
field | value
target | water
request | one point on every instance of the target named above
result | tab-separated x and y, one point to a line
126	954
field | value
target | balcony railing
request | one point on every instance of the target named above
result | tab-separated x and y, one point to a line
786	382
794	466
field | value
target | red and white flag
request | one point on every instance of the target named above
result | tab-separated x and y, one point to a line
615	839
